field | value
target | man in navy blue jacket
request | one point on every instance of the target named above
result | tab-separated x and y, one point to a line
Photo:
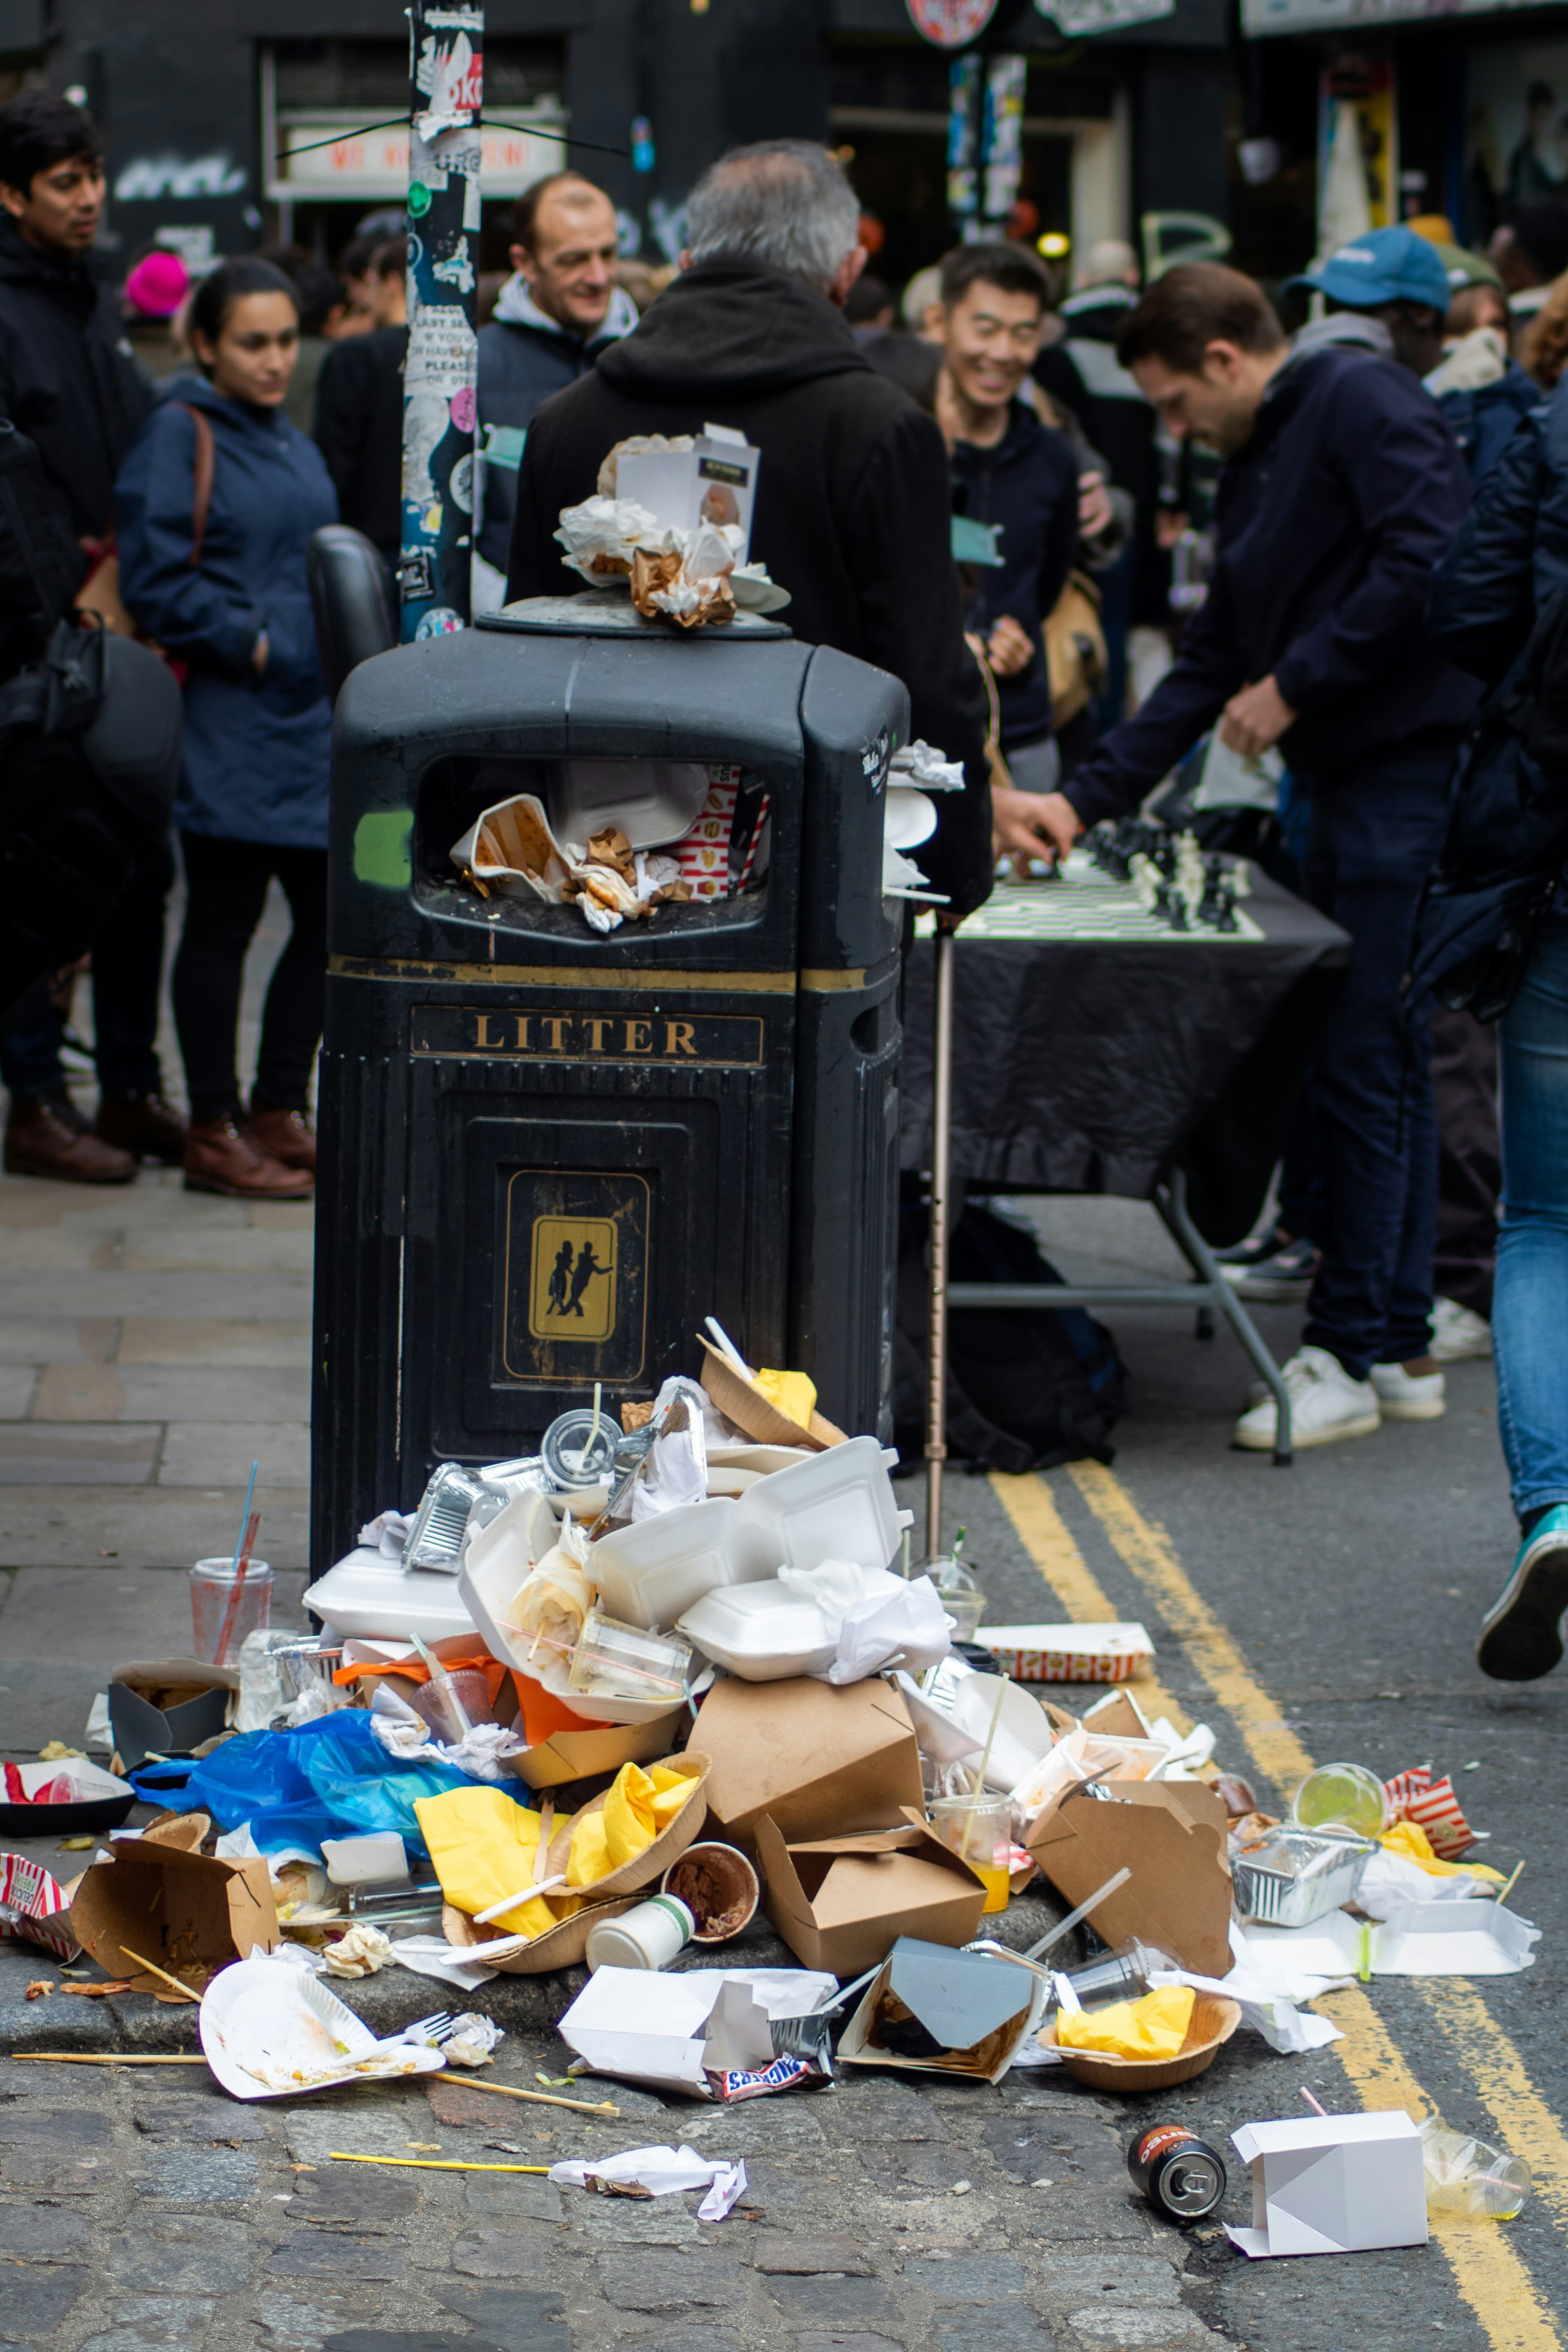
1342	490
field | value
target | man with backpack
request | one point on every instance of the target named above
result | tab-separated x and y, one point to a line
69	384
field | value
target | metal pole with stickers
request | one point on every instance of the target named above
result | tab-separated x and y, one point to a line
447	87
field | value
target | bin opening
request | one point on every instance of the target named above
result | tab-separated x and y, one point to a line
709	817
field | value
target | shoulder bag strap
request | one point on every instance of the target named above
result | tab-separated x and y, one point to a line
202	492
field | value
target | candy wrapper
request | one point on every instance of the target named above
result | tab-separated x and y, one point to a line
1416	1796
34	1907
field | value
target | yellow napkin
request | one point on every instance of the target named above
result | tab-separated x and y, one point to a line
1410	1843
483	1847
1154	2027
791	1393
638	1806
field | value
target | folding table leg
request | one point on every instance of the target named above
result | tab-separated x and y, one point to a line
1170	1201
936	1326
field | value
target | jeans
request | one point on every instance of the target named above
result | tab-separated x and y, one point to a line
1469	1165
126	971
1376	832
228	884
1530	1311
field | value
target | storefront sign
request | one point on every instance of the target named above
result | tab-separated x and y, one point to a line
949	24
322	157
1260	16
1080	17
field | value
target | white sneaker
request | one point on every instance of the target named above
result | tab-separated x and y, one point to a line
1457	1333
1404	1395
1326	1405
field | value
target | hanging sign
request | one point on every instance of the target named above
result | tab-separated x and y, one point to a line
949	24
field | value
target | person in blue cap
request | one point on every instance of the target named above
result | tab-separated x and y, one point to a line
1391	278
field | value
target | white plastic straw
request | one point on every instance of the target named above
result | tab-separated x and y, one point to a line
1060	1929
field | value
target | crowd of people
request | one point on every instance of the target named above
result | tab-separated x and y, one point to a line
1103	540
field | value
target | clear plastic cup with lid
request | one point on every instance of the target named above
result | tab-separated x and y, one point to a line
1341	1796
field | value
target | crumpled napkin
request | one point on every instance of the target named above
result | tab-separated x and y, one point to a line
876	1619
471	2040
387	1533
360	1953
1154	2027
659	2172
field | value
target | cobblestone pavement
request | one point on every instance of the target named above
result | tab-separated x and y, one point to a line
156	2215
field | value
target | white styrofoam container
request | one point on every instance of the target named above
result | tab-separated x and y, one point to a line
647	1573
837	1506
497	1562
762	1632
365	1594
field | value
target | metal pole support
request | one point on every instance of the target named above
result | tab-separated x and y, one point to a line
936	1326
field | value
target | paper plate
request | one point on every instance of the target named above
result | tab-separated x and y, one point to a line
271	2030
645	1868
742	1401
559	1947
1214	2021
911	817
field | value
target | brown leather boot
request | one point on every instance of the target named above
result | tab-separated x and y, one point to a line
145	1126
286	1135
47	1136
223	1158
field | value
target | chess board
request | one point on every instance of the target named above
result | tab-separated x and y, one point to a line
1085	904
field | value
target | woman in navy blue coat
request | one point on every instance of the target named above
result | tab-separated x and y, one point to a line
215	508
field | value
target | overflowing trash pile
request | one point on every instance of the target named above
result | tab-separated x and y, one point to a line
621	1703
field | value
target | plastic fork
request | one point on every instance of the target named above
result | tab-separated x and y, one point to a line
431	2032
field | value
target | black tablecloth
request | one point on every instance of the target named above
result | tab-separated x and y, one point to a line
1096	1066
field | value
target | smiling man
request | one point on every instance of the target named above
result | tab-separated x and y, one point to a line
552	318
1014	474
1342	490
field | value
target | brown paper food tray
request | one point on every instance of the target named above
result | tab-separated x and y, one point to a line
578	1755
646	1867
189	1913
559	1947
742	1401
1214	2021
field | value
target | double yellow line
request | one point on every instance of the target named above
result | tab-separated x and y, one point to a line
1488	2273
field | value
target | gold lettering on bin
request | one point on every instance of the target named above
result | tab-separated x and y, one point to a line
721	1040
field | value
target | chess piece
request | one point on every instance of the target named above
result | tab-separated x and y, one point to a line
1165	854
1170	903
1211	901
1225	918
1145	876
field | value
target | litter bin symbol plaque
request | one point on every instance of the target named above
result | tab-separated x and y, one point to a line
576	1276
573	1292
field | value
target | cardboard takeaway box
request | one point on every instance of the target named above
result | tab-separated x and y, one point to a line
168	1707
1171	1835
1334	2184
576	1755
819	1762
841	1903
188	1912
977	2010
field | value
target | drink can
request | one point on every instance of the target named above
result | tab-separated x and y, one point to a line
1181	2175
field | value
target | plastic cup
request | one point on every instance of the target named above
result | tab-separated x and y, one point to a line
1341	1796
618	1661
445	1699
649	1936
981	1830
1468	2181
212	1588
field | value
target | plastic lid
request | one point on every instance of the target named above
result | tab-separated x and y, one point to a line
610	613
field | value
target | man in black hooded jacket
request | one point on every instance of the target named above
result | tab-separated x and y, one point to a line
852	512
69	381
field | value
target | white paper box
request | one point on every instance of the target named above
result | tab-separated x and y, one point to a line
641	2026
1334	2184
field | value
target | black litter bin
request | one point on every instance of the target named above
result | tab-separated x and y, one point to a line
547	1153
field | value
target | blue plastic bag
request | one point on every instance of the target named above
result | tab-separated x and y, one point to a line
330	1779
